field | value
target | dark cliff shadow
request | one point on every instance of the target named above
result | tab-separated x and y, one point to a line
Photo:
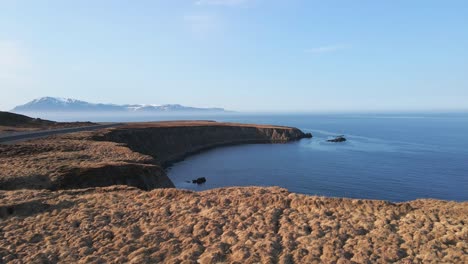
142	176
38	182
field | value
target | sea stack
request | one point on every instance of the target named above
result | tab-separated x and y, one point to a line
337	139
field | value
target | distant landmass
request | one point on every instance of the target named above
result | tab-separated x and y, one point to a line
55	104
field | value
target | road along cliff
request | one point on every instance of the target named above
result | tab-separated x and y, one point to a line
131	154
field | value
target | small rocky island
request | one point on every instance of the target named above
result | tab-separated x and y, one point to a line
337	139
200	180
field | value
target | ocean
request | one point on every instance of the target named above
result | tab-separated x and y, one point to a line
395	157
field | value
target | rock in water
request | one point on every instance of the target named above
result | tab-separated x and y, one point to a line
338	139
199	180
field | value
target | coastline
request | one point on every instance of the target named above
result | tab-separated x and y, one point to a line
194	137
77	210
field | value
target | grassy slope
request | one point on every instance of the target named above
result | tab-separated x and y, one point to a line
16	120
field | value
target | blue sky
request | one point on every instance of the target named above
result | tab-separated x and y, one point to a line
245	55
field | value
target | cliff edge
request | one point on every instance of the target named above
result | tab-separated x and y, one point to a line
169	142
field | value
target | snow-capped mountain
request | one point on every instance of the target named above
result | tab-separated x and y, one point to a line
55	104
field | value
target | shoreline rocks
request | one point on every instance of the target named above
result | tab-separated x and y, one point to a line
199	180
337	139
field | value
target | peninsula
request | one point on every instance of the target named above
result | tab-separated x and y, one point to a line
133	154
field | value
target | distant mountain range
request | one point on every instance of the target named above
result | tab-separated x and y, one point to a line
54	104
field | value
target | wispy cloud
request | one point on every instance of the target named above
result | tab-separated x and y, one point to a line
221	2
199	19
202	24
326	49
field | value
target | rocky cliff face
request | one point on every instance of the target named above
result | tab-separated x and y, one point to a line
168	144
133	155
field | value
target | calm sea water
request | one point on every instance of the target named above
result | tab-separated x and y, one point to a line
394	157
390	157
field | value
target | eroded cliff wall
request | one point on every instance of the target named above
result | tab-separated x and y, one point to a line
168	144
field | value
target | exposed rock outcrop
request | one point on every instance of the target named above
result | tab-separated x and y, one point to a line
231	225
133	154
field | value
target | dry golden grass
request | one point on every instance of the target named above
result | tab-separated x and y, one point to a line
232	225
68	161
10	129
194	123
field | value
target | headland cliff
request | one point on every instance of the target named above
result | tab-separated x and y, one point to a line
132	154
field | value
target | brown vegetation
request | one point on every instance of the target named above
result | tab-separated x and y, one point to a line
232	225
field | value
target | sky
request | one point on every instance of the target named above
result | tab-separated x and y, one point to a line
242	55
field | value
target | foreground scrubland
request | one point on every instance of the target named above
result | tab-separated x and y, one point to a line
233	225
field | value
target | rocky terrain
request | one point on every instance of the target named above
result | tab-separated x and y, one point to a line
232	225
134	154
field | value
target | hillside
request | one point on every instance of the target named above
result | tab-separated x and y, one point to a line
17	120
12	122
